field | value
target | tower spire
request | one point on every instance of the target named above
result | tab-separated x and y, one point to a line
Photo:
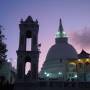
60	33
60	26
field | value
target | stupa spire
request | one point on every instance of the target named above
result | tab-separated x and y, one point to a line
60	33
60	26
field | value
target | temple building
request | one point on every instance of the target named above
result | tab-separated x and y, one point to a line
63	62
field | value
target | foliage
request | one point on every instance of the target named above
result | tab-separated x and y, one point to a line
3	49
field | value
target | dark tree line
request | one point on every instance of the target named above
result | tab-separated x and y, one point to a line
3	58
3	49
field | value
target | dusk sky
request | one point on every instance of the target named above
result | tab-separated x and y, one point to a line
75	15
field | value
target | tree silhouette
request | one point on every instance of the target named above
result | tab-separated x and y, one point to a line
3	49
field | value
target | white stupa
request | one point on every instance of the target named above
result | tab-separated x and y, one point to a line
57	56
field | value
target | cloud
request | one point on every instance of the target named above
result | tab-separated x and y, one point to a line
81	39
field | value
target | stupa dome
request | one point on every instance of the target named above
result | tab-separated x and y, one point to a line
61	50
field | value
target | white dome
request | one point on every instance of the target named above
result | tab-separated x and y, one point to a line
62	51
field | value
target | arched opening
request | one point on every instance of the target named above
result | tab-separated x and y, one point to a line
72	72
72	67
28	40
87	66
28	44
80	65
27	68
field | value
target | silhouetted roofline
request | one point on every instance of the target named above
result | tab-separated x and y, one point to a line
83	54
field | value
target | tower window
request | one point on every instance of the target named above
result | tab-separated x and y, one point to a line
28	44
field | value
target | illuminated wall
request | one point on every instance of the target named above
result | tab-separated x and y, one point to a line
79	69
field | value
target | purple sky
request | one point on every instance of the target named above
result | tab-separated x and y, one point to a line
75	16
